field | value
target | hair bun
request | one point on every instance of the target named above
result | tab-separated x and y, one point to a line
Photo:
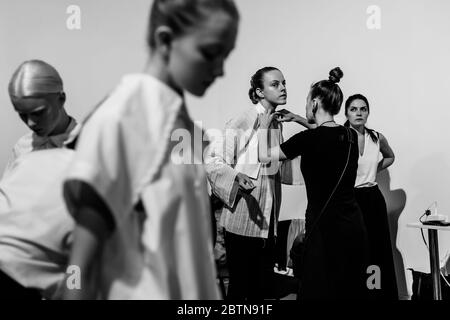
335	75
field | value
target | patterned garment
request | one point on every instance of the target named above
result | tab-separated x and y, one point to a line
237	151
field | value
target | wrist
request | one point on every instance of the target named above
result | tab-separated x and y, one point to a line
298	119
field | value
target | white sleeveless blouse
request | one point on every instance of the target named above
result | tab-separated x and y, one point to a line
368	163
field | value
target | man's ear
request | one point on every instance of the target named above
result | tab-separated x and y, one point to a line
163	39
259	93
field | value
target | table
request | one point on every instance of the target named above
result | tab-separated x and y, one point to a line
433	247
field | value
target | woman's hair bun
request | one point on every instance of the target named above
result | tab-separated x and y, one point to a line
335	75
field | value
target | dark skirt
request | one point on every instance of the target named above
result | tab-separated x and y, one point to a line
335	258
373	207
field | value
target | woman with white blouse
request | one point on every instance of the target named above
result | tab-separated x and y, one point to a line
375	155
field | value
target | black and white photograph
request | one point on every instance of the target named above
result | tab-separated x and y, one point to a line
240	152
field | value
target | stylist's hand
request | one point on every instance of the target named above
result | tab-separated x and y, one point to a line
285	116
245	183
265	119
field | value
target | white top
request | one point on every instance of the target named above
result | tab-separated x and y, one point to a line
368	163
35	226
32	142
125	154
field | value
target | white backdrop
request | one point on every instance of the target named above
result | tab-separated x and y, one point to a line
402	68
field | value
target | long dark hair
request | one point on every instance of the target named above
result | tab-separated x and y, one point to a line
329	92
257	81
349	100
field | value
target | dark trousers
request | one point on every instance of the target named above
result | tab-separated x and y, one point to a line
373	207
281	244
250	264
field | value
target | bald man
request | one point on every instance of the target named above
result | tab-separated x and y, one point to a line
37	94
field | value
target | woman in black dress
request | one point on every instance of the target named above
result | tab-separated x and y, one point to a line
335	257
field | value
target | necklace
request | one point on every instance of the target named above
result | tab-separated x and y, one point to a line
326	122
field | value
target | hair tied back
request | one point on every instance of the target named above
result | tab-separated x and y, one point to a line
335	75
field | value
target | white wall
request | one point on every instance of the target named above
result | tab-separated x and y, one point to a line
402	68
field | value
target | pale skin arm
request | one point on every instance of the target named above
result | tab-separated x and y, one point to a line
287	116
265	154
388	154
